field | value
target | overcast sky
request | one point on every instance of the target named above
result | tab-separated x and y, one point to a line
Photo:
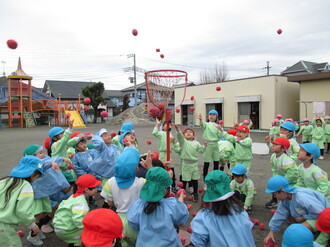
89	40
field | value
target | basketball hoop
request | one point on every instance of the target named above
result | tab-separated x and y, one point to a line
160	85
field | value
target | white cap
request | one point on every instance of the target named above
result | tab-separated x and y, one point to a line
102	131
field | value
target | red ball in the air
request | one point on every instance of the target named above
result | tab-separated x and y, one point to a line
135	32
104	114
68	115
162	56
87	101
191	108
218	88
12	44
85	107
149	142
113	134
157	50
177	110
279	31
192	97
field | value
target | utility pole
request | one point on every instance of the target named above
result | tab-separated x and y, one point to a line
134	70
3	67
267	67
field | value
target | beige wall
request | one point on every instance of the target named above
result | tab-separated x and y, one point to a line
316	90
265	87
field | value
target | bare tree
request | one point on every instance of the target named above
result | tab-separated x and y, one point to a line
217	74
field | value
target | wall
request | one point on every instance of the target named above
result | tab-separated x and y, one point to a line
265	87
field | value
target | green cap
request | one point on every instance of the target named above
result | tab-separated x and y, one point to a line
218	186
90	146
32	149
158	180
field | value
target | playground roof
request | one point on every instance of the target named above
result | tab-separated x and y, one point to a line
67	89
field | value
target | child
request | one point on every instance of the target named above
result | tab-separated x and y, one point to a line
101	228
243	149
318	135
225	223
279	117
282	164
52	182
128	139
17	200
189	149
70	213
305	130
248	123
123	190
298	235
287	130
159	132
327	132
298	205
107	155
311	176
229	151
274	131
243	187
212	135
153	216
60	142
126	127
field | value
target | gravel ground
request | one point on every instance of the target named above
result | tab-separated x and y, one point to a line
13	141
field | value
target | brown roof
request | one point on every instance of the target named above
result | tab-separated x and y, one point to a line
310	77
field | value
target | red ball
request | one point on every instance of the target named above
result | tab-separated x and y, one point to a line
192	97
85	107
188	206
87	133
104	114
189	229
113	134
149	142
256	222
47	143
68	115
200	190
218	88
250	219
20	233
177	110
87	101
190	198
180	184
157	50
134	32
183	240
181	191
262	226
191	108
70	167
279	31
162	56
194	214
12	44
273	211
220	122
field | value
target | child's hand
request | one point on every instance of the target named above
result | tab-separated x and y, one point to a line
172	139
198	116
55	166
35	230
206	143
235	125
300	219
175	126
269	236
182	197
148	161
157	122
219	127
70	123
167	165
67	161
170	172
267	139
89	136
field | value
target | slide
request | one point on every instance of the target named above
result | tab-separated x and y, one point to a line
78	122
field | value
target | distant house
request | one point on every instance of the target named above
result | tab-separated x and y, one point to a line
69	91
141	93
115	96
306	68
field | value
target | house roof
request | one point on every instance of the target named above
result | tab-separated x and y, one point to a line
67	89
141	86
305	67
318	76
113	93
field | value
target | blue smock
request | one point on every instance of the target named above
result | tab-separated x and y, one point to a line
107	155
209	229
81	160
305	202
52	181
157	228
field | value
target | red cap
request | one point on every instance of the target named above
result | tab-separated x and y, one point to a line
155	156
86	181
47	143
232	132
74	134
282	141
323	221
243	128
185	129
101	227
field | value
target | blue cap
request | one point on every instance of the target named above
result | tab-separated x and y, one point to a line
55	131
213	112
122	136
27	165
289	126
277	183
297	235
125	167
239	169
312	149
128	126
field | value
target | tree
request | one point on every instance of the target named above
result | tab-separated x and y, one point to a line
94	92
126	102
217	74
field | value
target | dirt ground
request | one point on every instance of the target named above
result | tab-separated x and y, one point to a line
13	141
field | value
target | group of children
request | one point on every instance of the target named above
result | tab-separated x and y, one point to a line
147	213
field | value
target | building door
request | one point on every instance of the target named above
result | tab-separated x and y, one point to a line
249	110
187	115
217	107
